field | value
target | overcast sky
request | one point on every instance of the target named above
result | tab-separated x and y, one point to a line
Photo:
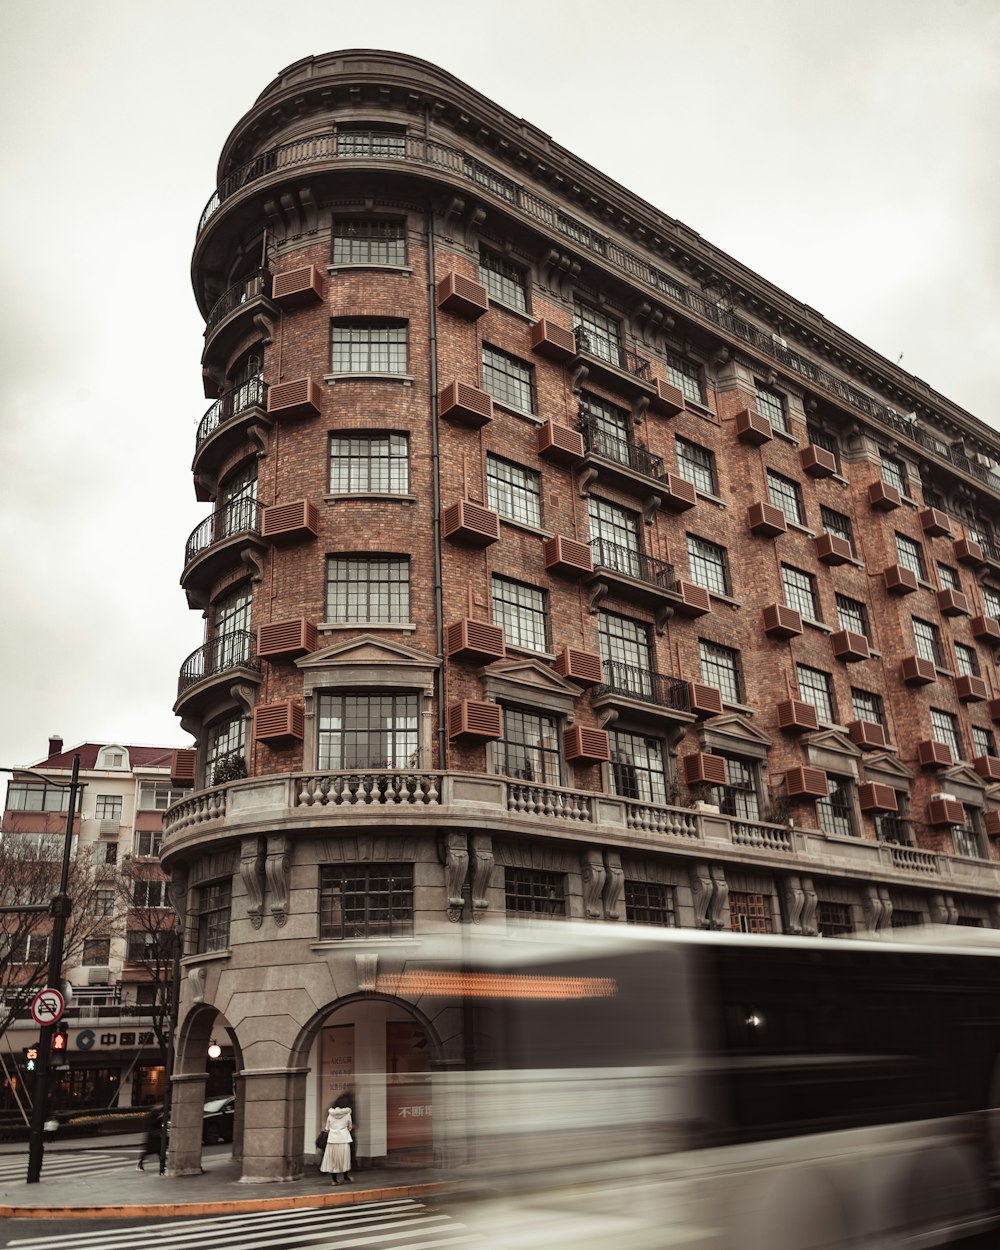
846	151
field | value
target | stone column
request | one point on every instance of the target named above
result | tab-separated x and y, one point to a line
187	1105
274	1124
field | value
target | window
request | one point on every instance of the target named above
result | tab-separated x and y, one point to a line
868	706
696	465
365	901
895	826
112	759
156	796
816	687
637	770
837	523
894	472
108	807
368	242
966	660
513	491
538	893
147	843
111	853
374	589
771	404
833	919
720	667
626	654
361	139
150	894
615	534
911	556
927	640
786	496
944	729
30	948
529	748
509	380
245	380
36	796
224	746
504	281
607	427
368	731
708	564
96	951
647	902
852	614
231	640
749	913
836	811
967	837
686	376
983	741
369	464
991	602
490	179
521	611
141	945
213	904
800	592
104	902
598	333
237	509
368	347
948	577
823	438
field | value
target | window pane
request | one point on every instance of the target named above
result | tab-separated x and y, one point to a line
369	464
911	556
513	491
368	588
708	565
600	334
540	893
365	900
520	610
785	495
944	729
510	381
650	903
368	347
771	404
800	592
720	667
893	472
368	242
852	614
696	465
368	731
637	770
529	748
686	375
816	687
504	281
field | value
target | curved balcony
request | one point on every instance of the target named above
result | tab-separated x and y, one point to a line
231	317
224	425
218	544
216	663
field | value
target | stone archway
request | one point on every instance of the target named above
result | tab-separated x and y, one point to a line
201	1024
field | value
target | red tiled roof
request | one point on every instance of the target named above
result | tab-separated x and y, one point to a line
139	757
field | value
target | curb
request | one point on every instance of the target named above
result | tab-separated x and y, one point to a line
232	1206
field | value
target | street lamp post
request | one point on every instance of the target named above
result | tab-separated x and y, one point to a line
60	909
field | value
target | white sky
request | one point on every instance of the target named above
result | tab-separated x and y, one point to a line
846	151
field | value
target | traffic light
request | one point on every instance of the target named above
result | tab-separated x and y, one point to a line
60	1040
30	1058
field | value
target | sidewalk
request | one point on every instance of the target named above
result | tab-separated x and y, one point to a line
129	1193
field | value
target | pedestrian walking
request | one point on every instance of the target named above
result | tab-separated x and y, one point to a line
151	1143
337	1155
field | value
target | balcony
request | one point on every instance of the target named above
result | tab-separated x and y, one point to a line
632	574
622	463
614	363
650	695
224	427
231	318
217	545
216	663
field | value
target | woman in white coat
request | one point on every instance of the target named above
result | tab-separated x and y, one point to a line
337	1155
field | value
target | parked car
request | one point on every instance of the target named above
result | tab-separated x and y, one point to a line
217	1120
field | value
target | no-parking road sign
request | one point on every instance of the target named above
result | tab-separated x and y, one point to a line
47	1006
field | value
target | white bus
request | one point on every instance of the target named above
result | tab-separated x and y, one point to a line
642	1089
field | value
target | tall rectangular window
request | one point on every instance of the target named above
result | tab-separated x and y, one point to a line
836	811
750	913
991	602
368	731
607	428
911	555
816	687
800	592
648	902
108	807
374	589
504	281
521	611
214	906
771	404
368	346
369	464
96	951
535	892
509	380
696	464
231	639
966	660
599	334
983	741
362	242
529	748
686	376
948	577
786	495
967	837
513	491
365	901
868	706
893	472
147	843
615	537
637	770
852	614
944	729
708	564
927	641
720	667
626	654
223	748
837	523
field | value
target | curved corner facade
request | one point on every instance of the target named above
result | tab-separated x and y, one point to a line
554	564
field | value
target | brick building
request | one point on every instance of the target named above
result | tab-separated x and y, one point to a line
556	564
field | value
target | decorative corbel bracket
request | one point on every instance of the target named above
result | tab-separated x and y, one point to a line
594	876
720	896
454	855
252	876
598	593
585	480
639	406
481	846
650	507
614	884
276	871
663	614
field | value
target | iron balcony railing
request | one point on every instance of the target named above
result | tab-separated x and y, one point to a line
614	353
239	516
644	684
631	563
323	148
247	395
241	292
895	829
235	650
622	451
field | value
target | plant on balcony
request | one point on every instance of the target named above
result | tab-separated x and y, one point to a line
231	768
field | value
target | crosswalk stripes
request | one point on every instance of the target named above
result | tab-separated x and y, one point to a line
81	1163
401	1224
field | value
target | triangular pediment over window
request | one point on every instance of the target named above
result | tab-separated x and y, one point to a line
531	683
368	662
885	768
964	783
832	751
733	734
367	649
